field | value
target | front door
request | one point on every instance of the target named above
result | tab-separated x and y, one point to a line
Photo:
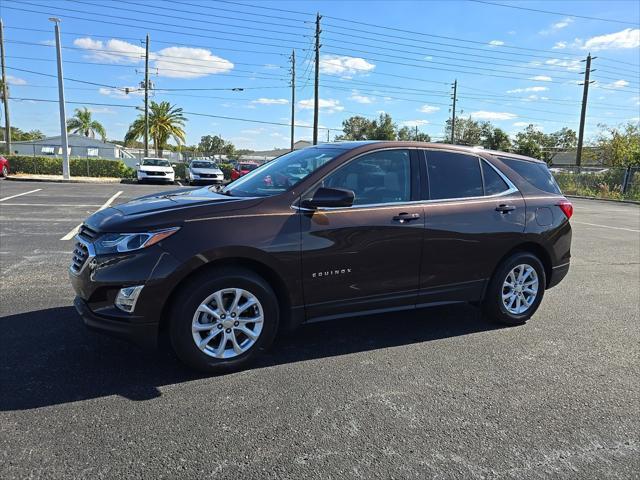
365	257
474	216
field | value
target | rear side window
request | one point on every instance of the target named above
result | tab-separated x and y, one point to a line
493	182
453	175
536	173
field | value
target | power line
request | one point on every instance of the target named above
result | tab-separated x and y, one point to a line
66	78
554	13
267	8
219	8
137	39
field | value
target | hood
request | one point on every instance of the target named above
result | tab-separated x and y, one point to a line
152	168
165	209
213	171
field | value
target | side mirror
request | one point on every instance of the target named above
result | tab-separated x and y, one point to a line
137	164
329	197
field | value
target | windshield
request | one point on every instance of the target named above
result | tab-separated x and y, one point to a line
282	173
203	165
155	162
248	166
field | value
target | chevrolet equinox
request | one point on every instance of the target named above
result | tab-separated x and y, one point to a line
326	232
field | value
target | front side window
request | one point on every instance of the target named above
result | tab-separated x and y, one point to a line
378	177
453	175
282	173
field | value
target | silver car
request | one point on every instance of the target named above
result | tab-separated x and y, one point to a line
204	171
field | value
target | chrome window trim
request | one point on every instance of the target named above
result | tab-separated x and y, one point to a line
91	253
511	190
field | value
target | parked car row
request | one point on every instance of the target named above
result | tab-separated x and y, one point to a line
199	170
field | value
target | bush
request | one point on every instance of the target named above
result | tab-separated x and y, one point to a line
79	167
226	169
607	184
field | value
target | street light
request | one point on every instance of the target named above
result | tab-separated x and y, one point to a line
63	116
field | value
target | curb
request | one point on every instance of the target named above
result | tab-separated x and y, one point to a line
633	202
58	180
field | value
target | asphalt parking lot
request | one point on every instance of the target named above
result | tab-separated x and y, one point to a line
434	393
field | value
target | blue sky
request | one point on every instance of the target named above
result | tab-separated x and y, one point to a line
513	67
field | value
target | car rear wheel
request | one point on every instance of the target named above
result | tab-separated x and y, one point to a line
516	289
222	321
5	171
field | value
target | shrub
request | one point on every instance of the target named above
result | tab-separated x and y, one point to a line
79	167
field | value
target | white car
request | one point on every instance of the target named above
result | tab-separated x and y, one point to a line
155	169
204	170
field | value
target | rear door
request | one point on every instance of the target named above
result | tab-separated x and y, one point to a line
473	217
367	256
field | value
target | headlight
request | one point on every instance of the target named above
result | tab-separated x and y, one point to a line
128	242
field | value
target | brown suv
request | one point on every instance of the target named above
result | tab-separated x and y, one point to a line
321	233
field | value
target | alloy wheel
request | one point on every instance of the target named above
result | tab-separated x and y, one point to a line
227	323
520	289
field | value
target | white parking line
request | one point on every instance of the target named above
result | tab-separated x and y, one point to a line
74	231
607	226
20	194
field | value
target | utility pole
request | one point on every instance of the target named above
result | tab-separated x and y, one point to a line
146	97
63	114
316	92
293	97
583	112
5	93
453	110
328	138
416	133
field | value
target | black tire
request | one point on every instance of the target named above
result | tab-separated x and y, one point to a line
5	171
492	305
195	292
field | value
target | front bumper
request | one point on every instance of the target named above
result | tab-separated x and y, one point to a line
100	278
165	177
142	334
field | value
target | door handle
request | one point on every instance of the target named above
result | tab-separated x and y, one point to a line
503	208
406	217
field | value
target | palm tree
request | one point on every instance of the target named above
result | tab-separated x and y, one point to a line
165	121
83	124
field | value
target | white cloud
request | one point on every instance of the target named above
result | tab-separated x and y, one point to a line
511	32
559	46
413	123
118	51
541	78
356	97
570	65
627	38
189	63
101	110
618	84
118	93
485	115
329	105
565	22
528	89
11	80
636	100
271	101
521	124
51	42
428	109
344	65
172	62
496	43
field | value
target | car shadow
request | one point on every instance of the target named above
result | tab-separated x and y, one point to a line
47	357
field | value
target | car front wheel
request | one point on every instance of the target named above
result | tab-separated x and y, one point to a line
5	171
516	289
223	320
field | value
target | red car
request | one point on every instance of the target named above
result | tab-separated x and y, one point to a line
242	169
4	166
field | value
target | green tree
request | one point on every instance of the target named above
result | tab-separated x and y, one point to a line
166	122
467	132
356	128
18	135
565	139
409	134
383	128
211	144
620	146
531	142
494	138
83	123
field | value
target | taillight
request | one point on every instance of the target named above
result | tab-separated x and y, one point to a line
567	208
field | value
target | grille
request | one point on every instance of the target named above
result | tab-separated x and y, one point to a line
157	174
208	175
87	233
80	255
